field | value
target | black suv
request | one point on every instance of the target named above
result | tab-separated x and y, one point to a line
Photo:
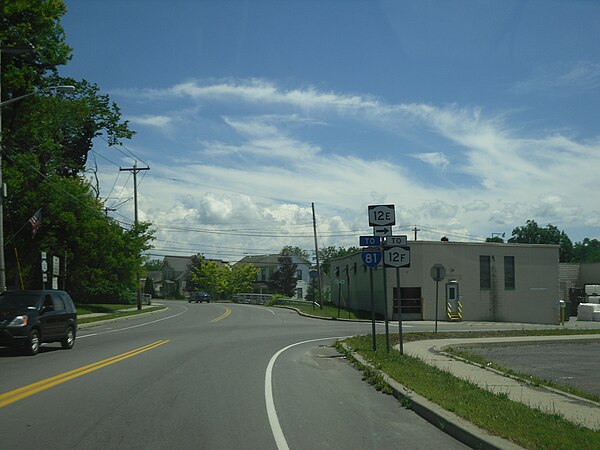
199	297
28	318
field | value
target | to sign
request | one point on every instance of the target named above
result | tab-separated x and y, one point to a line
381	215
396	241
371	258
397	257
368	241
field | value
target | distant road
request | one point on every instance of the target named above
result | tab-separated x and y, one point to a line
215	376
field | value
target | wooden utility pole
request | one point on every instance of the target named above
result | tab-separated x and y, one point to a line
317	256
135	169
415	229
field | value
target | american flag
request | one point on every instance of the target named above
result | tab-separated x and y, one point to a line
35	221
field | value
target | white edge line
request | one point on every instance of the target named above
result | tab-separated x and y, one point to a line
271	411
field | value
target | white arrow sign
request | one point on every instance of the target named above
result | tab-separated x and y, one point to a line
396	257
382	231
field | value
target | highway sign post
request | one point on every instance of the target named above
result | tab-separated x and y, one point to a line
438	273
395	241
369	241
381	215
396	257
371	258
381	218
382	231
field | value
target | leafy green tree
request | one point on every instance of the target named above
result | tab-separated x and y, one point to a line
152	265
326	254
241	278
289	250
283	281
33	25
190	283
587	251
46	140
149	287
532	233
210	277
102	259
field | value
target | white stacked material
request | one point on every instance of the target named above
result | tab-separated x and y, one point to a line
593	299
596	317
586	311
592	289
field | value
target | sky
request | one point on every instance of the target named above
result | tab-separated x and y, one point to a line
471	117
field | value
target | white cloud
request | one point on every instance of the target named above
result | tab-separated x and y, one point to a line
270	167
558	80
153	121
434	159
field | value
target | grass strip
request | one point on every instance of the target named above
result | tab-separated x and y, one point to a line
475	358
115	314
528	427
329	311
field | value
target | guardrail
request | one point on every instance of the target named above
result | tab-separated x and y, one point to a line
254	299
264	299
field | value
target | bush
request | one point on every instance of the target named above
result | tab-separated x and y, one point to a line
277	298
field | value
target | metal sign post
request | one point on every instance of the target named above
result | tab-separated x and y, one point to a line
399	298
372	310
438	273
397	257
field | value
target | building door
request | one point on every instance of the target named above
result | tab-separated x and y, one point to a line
412	303
452	296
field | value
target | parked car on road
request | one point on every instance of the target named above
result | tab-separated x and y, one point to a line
29	318
199	296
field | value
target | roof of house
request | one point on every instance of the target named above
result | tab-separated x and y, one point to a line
269	260
184	263
178	263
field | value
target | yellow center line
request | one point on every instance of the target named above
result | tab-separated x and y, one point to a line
26	391
222	316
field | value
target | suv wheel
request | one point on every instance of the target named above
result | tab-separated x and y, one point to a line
32	344
69	340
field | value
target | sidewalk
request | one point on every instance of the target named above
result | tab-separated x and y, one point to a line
575	409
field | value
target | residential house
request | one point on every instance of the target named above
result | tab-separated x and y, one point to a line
269	264
176	275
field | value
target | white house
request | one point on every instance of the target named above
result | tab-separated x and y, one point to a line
268	264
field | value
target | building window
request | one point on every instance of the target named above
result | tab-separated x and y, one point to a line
264	274
485	273
298	274
509	272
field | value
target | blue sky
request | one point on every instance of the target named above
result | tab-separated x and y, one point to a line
470	116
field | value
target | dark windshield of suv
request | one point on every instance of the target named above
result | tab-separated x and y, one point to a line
19	300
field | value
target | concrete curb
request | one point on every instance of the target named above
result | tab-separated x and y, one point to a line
117	319
449	423
339	319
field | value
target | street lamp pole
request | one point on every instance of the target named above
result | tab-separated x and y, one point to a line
67	89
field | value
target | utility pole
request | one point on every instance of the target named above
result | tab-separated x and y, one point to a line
135	169
317	256
415	229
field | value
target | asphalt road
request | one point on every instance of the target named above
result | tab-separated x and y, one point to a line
203	376
571	363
